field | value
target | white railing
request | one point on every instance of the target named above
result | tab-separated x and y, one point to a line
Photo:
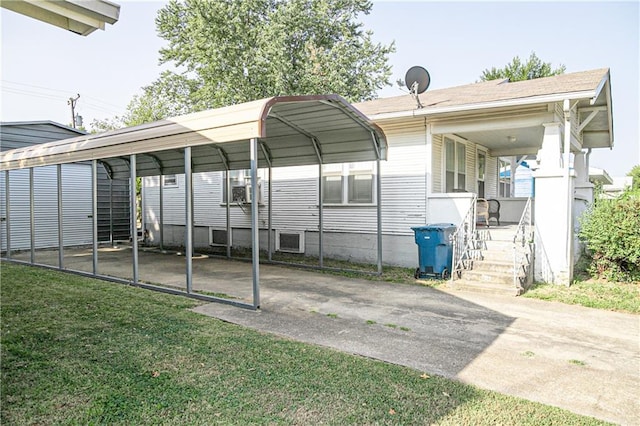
464	242
523	249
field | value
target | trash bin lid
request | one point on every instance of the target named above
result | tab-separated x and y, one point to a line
433	227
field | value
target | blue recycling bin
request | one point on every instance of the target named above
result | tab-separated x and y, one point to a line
435	250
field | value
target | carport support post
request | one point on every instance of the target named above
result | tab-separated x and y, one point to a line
7	207
379	214
255	243
160	211
94	213
134	217
32	217
227	182
320	218
188	212
269	214
60	218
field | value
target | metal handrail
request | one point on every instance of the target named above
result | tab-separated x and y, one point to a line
523	246
464	240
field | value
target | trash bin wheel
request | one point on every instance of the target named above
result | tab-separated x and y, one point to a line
416	274
445	274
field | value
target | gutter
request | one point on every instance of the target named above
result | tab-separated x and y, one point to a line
589	94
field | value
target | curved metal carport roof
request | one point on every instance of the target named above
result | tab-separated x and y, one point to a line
272	132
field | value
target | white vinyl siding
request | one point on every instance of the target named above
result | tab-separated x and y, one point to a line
437	186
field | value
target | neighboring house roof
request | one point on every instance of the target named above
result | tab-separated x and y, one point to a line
293	130
588	91
19	134
78	16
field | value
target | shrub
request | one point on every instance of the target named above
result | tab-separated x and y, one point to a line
610	230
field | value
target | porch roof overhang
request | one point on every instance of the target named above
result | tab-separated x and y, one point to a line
507	117
78	16
292	131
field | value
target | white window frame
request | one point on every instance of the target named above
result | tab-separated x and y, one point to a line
456	172
172	181
483	178
347	172
241	177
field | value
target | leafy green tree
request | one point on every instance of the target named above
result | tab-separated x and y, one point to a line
234	51
516	70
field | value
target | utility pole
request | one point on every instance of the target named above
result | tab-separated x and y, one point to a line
72	102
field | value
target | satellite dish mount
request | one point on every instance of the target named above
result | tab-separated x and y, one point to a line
417	80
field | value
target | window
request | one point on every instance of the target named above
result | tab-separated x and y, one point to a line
455	165
169	181
504	170
482	164
240	181
348	183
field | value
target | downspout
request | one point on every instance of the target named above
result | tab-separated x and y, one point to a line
567	152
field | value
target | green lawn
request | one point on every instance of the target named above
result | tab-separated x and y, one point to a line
82	351
621	297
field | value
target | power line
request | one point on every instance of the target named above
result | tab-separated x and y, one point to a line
15	90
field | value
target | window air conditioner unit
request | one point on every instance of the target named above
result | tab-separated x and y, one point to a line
290	241
242	193
239	194
218	237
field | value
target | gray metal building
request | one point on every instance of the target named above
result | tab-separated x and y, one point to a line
113	195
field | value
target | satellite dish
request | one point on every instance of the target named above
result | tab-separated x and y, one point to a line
417	79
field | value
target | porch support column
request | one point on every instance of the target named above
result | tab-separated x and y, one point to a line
134	217
60	219
188	213
94	213
584	188
553	211
7	207
255	242
32	218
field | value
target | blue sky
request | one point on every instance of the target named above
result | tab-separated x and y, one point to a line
42	66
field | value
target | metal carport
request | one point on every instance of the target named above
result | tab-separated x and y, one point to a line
274	132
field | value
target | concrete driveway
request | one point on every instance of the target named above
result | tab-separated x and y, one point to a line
584	360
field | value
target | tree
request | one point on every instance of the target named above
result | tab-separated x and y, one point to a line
517	71
234	51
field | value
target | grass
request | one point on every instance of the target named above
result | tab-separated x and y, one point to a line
82	351
620	297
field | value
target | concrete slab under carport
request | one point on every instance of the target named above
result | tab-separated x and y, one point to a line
580	359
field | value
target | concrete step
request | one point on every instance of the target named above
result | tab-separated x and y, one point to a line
491	265
465	284
488	276
497	255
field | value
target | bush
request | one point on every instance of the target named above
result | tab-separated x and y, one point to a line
611	233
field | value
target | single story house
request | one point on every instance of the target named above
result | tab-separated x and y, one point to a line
443	153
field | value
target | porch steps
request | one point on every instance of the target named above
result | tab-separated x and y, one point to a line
493	272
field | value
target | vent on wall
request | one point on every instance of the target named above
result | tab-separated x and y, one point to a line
290	241
218	237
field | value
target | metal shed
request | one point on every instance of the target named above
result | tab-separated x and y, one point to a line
272	132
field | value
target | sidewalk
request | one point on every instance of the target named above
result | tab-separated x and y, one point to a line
584	360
